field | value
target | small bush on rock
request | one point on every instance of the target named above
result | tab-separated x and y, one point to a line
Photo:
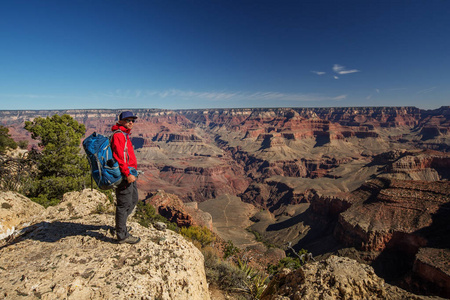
224	274
146	215
5	140
230	249
200	234
287	262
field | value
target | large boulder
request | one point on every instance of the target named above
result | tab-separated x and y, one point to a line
333	278
16	211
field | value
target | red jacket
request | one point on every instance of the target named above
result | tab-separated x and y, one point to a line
118	146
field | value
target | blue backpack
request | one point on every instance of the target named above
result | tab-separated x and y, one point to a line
104	168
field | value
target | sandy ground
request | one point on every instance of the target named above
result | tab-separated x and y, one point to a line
230	218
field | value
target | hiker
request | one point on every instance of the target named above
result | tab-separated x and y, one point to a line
126	192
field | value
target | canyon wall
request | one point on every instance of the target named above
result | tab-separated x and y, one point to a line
374	179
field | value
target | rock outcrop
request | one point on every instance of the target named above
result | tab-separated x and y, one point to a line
423	165
383	209
432	270
173	209
70	253
16	211
406	222
333	278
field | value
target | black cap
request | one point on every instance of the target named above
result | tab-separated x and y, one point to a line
127	115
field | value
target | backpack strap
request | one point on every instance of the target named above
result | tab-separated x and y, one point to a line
126	157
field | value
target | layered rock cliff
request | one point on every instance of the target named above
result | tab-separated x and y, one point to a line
223	150
326	178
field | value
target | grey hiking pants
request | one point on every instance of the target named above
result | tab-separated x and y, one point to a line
127	198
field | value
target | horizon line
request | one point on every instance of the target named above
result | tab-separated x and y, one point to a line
222	108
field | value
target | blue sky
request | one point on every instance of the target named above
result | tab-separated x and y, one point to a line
223	53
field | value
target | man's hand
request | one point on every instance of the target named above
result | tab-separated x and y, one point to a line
131	178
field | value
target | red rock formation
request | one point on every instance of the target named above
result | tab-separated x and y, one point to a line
398	218
171	207
420	161
329	206
384	207
203	183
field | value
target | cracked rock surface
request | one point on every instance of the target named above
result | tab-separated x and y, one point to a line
76	257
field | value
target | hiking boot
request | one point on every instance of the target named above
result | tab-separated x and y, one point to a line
130	240
113	230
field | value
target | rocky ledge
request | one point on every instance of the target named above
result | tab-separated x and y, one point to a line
333	278
69	252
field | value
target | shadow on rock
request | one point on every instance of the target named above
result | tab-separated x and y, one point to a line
417	261
287	223
438	233
318	239
55	231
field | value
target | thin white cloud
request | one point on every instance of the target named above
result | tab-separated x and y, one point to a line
220	96
425	91
342	71
190	94
348	72
168	97
339	98
318	72
290	97
335	77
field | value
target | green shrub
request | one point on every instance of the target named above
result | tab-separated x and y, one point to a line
255	282
146	215
200	234
100	209
44	201
224	274
54	187
287	262
230	249
241	279
22	144
5	140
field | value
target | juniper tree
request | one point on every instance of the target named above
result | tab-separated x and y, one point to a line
61	167
5	140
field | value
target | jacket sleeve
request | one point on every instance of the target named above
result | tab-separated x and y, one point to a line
118	146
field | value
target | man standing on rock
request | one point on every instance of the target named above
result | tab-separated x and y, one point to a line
126	192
